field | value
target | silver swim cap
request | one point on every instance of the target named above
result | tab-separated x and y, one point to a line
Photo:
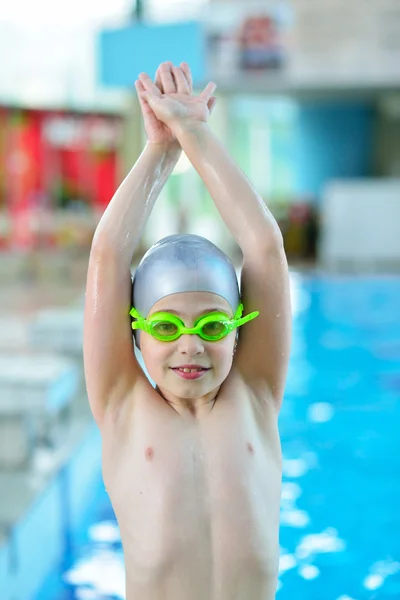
183	263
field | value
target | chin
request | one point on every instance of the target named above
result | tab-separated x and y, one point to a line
189	389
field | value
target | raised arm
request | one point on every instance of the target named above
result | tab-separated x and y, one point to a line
264	344
111	369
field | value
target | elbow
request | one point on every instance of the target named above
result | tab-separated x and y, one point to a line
105	253
102	252
273	242
104	246
276	241
100	242
267	243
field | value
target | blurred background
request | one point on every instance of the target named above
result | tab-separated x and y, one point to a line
309	106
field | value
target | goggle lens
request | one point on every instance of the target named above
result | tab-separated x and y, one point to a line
214	330
164	329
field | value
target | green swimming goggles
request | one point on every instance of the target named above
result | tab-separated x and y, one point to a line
213	327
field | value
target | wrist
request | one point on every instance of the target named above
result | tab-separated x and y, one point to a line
165	148
182	130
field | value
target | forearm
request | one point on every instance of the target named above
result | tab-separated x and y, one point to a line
124	219
241	207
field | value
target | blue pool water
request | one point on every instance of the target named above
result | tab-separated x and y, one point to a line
340	517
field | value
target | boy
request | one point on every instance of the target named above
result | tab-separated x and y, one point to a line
192	466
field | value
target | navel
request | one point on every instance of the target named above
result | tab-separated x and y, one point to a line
149	453
250	448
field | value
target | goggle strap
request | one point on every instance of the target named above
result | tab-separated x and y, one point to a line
247	318
239	312
140	322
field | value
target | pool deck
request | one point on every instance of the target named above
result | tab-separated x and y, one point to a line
23	488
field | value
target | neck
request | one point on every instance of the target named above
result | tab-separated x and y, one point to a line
195	407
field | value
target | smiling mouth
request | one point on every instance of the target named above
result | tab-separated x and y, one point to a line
190	374
190	370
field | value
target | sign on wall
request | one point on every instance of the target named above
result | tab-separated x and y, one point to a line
306	41
247	36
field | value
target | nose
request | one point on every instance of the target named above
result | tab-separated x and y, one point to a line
190	344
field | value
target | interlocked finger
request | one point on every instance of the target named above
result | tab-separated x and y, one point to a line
158	81
167	79
148	85
211	104
188	74
144	105
181	81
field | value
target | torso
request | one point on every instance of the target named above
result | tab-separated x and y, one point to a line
197	500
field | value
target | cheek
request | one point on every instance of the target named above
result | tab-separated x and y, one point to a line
222	353
155	356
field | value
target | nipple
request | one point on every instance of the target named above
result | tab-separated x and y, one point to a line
149	453
250	448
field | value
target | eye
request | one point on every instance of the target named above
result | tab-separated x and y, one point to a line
214	328
165	328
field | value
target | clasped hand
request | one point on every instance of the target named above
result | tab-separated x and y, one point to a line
168	105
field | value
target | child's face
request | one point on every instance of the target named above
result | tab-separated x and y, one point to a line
161	357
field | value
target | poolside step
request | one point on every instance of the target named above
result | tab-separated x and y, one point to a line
35	391
58	329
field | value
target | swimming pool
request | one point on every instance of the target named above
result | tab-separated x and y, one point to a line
340	517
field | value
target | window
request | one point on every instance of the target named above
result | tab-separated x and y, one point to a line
173	10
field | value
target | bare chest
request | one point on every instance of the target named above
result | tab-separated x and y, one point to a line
209	490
